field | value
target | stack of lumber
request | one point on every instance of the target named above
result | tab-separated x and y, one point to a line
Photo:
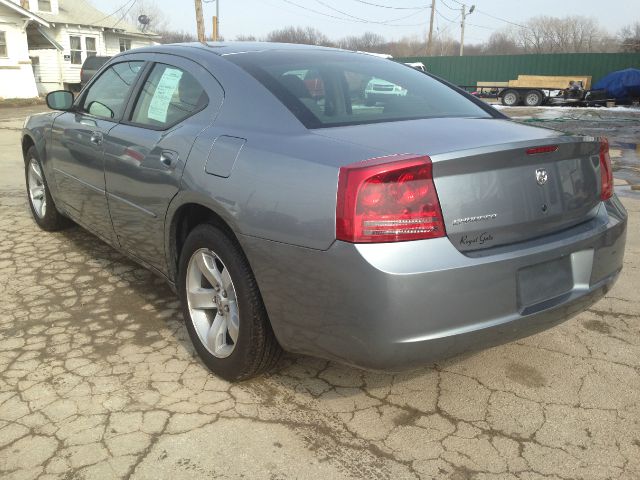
492	84
548	81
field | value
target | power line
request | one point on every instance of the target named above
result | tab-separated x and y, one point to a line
499	18
112	13
443	17
290	2
448	6
390	7
386	22
125	13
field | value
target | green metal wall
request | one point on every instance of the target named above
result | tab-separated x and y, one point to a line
501	68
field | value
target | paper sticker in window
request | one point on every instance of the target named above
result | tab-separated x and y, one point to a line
164	93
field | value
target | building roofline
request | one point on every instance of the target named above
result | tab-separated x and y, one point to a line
24	12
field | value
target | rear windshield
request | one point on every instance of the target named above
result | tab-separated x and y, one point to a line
327	88
93	63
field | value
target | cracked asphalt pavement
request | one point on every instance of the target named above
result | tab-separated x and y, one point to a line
99	381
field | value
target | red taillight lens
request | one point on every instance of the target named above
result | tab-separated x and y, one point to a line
606	172
388	199
544	149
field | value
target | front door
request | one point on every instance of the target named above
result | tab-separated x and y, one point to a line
77	147
146	153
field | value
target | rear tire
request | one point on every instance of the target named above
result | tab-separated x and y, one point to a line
533	98
223	310
43	209
510	98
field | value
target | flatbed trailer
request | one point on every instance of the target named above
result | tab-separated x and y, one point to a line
536	96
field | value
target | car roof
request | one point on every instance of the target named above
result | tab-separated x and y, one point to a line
232	48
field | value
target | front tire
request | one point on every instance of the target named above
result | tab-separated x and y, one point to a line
222	306
43	209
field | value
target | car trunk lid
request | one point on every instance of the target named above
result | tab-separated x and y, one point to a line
494	185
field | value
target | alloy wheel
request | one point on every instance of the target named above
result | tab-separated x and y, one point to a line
212	303
37	188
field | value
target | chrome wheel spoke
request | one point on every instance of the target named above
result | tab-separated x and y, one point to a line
208	268
201	298
233	321
217	334
36	171
37	193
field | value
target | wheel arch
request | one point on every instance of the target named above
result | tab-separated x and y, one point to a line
184	214
26	143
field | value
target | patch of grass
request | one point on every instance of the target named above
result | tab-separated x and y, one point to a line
20	102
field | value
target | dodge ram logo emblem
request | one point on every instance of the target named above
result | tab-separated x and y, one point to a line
541	176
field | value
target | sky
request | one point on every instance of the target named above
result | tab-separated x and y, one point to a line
339	18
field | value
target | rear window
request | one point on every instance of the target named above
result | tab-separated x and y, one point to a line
326	88
94	63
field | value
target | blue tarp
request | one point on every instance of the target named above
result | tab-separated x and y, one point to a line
621	85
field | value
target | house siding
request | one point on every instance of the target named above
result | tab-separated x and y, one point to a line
16	75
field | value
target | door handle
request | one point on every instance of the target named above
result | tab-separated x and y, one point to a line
168	158
96	138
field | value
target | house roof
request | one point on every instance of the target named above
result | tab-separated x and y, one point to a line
81	12
26	13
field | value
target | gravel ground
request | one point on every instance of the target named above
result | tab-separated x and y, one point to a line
99	381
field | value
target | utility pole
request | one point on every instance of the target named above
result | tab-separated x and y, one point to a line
216	24
200	21
462	22
430	38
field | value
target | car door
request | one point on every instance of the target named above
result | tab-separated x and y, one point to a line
146	153
77	146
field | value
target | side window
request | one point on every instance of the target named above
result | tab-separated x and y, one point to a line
168	96
107	95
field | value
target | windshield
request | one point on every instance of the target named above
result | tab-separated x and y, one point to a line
330	88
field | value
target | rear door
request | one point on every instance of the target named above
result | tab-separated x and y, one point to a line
146	153
77	146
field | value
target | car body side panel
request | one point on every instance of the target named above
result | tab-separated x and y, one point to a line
78	168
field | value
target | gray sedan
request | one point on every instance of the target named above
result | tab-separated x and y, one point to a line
291	211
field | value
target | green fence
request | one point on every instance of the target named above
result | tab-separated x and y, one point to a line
501	68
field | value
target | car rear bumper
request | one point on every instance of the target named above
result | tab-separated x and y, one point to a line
402	305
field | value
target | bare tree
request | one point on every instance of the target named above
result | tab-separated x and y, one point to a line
169	36
308	35
246	38
501	43
629	38
572	34
367	42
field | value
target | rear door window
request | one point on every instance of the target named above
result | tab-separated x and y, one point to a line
169	95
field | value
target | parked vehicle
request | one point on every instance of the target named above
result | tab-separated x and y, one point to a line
417	65
381	236
90	66
378	89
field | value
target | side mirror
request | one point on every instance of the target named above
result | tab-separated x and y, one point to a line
60	100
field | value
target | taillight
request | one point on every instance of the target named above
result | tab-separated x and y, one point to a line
543	149
388	199
606	172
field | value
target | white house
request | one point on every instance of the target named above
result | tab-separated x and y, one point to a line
43	43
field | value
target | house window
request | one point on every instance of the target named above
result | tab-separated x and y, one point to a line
125	44
76	50
3	44
44	5
90	44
